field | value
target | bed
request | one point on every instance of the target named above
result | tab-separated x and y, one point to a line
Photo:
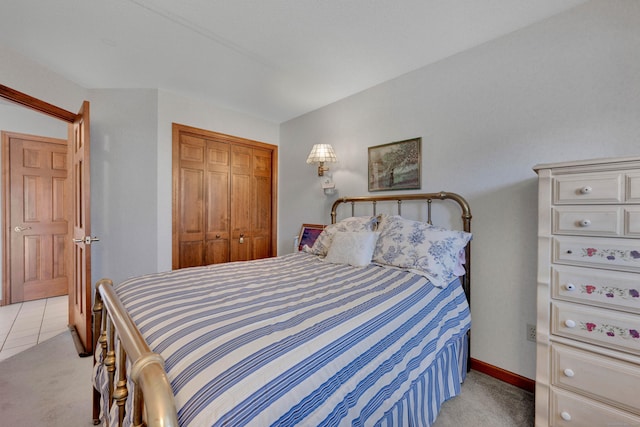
369	326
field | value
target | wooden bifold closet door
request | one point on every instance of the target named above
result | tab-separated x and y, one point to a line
224	198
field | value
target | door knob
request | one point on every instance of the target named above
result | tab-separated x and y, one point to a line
19	228
86	240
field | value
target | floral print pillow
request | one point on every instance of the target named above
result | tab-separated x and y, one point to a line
351	224
422	248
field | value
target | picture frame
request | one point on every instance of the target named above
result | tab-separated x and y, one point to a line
308	234
396	166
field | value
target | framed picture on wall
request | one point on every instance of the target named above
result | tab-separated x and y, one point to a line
395	166
308	234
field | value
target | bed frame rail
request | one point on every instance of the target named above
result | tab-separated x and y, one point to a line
115	332
427	198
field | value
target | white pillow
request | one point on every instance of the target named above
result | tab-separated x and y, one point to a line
353	224
433	252
353	248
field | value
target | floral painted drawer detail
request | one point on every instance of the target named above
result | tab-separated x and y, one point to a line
617	290
597	326
610	330
621	254
610	291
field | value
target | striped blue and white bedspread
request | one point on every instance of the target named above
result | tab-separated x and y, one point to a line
294	340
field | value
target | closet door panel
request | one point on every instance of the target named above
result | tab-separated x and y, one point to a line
217	204
224	199
262	197
191	220
241	203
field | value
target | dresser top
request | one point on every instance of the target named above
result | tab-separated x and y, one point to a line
620	161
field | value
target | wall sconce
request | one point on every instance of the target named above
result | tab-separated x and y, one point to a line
321	153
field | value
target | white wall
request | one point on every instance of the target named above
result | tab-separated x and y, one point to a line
565	89
123	182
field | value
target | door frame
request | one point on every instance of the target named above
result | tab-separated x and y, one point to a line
40	106
6	210
71	119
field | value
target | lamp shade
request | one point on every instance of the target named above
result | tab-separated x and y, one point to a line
322	153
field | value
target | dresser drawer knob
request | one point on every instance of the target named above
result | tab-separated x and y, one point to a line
586	190
570	323
585	223
569	373
570	287
565	416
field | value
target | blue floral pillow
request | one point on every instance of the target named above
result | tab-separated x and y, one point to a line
431	251
351	224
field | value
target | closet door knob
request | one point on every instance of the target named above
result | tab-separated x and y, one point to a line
586	190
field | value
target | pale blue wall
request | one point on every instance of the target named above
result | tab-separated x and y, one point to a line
567	88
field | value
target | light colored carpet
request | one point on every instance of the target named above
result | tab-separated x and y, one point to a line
49	385
487	402
46	385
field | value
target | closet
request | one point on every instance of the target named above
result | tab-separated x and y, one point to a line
224	198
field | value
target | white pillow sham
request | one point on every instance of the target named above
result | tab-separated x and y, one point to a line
352	224
353	248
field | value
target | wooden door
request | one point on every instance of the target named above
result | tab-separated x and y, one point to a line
36	217
80	287
262	211
250	203
224	198
203	201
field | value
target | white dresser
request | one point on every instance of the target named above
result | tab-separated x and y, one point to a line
588	326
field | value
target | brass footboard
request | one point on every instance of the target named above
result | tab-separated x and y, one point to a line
115	332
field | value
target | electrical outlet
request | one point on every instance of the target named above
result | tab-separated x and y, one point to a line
531	333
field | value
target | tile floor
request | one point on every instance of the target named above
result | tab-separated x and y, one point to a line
26	324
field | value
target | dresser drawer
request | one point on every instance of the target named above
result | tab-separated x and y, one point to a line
588	188
588	220
571	410
633	187
619	254
632	221
597	326
611	289
605	379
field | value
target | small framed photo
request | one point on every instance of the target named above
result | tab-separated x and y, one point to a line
308	234
395	166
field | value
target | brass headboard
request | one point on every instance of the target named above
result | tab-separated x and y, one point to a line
428	198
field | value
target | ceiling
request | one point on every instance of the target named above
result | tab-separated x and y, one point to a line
273	59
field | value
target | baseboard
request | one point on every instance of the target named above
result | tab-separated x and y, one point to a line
503	375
